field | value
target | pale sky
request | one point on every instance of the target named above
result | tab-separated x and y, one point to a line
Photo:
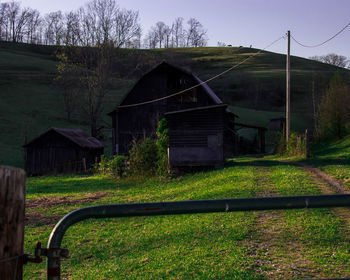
243	22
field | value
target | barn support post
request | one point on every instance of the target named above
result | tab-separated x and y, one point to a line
261	136
84	164
12	204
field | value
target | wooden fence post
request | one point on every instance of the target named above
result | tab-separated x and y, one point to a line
12	204
307	149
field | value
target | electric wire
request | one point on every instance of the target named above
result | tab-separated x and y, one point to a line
324	42
204	82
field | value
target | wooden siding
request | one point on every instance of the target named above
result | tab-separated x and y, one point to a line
196	136
53	153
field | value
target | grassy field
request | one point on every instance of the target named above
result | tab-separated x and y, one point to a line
294	244
31	103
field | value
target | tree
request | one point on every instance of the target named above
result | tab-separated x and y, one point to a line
334	110
69	75
178	32
54	30
196	34
127	29
72	29
95	83
4	21
333	59
33	27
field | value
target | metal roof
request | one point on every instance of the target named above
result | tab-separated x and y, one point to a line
75	135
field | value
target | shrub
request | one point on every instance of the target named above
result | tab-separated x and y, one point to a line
115	167
150	157
143	157
162	146
296	145
334	111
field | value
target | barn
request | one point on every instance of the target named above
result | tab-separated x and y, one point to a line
198	109
196	136
61	150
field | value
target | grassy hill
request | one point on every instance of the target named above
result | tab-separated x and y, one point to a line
31	103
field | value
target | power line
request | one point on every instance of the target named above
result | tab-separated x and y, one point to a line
206	81
318	45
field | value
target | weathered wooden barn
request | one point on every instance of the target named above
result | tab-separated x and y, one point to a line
163	80
201	127
196	136
61	150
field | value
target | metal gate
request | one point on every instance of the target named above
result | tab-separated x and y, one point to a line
54	253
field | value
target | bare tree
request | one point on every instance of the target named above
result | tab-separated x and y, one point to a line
54	28
104	11
150	40
72	29
33	27
221	44
96	81
178	32
127	28
332	58
159	31
167	36
4	21
196	34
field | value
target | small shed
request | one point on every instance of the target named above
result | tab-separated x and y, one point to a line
61	150
196	136
277	124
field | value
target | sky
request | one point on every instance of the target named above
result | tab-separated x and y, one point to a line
243	22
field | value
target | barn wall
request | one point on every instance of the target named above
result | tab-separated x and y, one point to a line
53	153
197	137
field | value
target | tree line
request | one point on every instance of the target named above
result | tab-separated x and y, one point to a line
95	23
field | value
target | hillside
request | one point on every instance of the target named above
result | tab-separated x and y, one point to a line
31	103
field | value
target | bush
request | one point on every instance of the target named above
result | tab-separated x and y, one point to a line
144	157
334	111
162	145
150	157
296	145
115	167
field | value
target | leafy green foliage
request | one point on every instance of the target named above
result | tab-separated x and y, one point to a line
162	145
334	111
143	157
115	167
294	147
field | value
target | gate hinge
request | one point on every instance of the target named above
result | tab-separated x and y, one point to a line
47	252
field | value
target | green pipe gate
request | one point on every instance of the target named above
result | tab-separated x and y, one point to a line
54	253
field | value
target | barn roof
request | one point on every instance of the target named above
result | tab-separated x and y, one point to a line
206	88
75	135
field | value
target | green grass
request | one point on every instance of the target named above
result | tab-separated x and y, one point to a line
197	246
333	159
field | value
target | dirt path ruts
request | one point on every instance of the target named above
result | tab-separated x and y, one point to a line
36	217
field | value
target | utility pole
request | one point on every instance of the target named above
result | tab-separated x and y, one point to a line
288	89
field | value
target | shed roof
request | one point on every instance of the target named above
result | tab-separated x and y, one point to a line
75	135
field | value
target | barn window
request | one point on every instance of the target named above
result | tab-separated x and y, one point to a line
187	97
